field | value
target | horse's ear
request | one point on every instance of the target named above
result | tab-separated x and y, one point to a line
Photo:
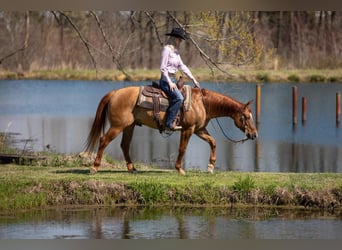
248	103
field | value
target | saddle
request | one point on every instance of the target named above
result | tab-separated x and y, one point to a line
153	98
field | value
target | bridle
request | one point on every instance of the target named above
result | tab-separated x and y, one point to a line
225	135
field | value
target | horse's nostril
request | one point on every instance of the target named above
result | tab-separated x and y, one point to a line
252	136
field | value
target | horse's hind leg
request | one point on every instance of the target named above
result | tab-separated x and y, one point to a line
104	141
125	144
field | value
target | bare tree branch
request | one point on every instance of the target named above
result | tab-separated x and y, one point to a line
114	58
56	17
82	39
155	26
207	59
26	41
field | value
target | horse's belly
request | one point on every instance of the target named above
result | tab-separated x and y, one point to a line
145	117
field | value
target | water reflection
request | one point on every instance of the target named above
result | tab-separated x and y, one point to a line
59	114
172	223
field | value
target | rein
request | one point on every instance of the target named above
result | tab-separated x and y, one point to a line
225	135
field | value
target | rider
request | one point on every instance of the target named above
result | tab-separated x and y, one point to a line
170	63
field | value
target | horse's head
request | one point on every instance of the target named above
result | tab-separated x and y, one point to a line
244	121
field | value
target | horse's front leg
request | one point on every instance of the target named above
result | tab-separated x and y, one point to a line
184	140
203	134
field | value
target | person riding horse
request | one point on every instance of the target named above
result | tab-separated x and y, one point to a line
170	63
119	108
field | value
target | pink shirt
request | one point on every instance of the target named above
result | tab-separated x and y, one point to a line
171	62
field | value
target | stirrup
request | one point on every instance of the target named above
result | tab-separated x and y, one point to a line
174	128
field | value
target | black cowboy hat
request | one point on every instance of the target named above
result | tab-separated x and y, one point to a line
178	32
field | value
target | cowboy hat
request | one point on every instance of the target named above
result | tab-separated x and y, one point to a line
178	32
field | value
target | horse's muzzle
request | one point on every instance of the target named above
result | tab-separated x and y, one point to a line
252	136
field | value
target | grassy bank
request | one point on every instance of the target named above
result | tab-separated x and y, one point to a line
236	75
26	187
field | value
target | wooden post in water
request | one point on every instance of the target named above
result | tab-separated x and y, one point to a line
257	103
338	108
294	105
303	110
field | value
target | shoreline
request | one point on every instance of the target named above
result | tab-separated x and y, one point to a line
42	186
203	75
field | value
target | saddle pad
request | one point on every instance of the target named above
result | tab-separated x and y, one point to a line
145	101
186	90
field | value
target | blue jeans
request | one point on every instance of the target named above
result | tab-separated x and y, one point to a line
175	101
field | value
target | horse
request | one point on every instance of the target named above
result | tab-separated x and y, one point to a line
120	108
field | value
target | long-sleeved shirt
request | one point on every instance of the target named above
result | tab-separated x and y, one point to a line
171	62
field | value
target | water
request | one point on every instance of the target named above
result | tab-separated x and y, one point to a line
170	223
59	114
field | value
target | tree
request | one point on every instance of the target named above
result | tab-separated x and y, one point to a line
26	38
229	37
132	39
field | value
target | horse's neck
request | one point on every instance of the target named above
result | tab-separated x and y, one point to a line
219	105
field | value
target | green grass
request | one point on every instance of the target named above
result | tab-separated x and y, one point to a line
263	77
25	187
293	78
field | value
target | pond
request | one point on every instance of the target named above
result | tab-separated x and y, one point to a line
57	115
170	223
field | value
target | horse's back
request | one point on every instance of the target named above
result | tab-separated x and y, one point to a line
126	96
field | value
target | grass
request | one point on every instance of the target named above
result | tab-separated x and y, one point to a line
235	75
26	187
63	180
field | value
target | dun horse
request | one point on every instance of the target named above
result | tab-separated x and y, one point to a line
119	107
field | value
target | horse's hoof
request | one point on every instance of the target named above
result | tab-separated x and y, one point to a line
211	168
93	170
181	171
134	171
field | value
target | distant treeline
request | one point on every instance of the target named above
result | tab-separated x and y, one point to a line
132	39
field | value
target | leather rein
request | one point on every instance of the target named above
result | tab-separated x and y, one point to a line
225	135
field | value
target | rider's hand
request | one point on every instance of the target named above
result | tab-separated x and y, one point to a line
197	85
172	86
